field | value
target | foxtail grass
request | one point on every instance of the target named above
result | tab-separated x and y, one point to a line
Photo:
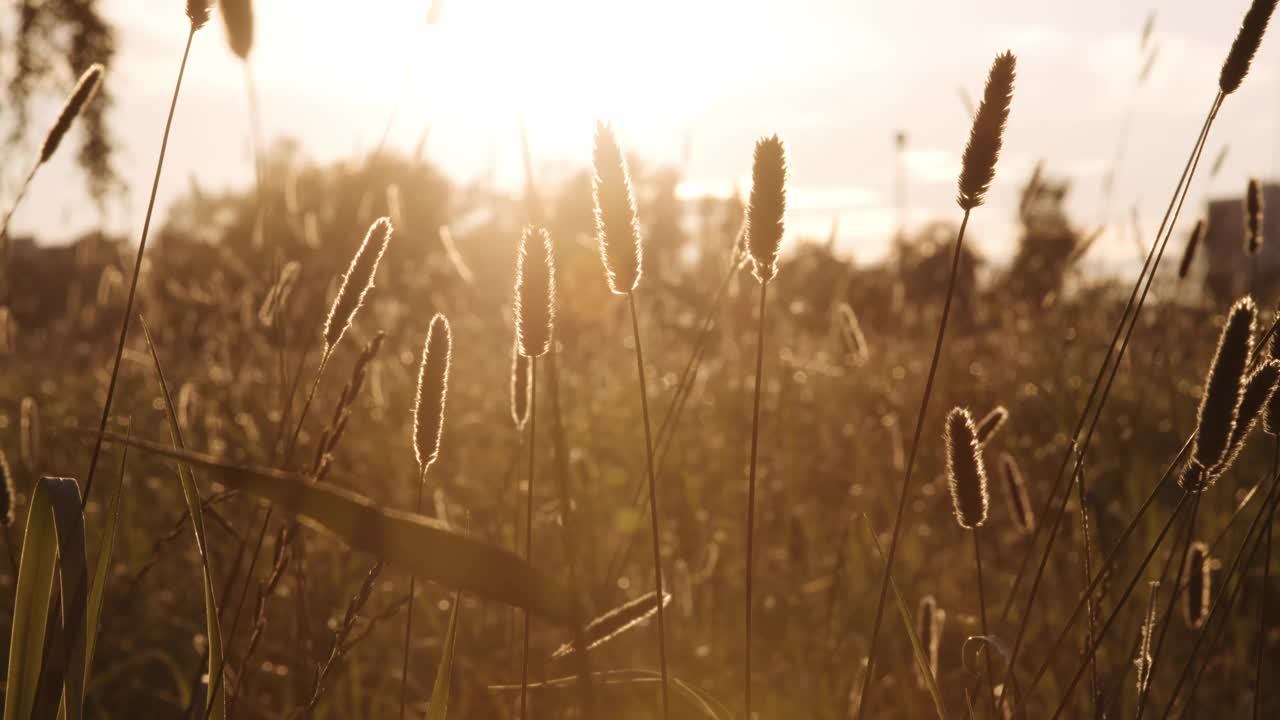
1233	72
1020	508
1196	592
535	299
621	252
1253	217
764	228
991	423
428	428
986	138
967	480
1189	253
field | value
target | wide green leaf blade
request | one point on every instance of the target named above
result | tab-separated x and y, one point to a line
218	698
68	519
438	708
31	607
97	589
420	545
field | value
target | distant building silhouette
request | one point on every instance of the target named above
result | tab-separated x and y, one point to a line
1229	271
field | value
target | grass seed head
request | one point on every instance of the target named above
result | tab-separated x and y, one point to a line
929	622
84	91
1258	392
1024	515
1196	593
1224	386
1245	46
767	207
237	15
198	12
617	228
356	282
433	387
1253	217
986	136
991	422
1189	254
535	301
853	341
965	471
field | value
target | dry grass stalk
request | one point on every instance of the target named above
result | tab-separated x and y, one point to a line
1142	663
853	341
278	296
520	386
617	621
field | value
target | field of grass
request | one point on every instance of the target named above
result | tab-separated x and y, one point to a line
361	441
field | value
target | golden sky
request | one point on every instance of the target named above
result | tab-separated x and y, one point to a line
699	81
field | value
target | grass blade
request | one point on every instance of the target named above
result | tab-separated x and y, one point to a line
438	709
98	588
191	493
31	607
420	545
916	648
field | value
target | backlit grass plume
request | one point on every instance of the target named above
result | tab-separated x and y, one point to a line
535	292
433	387
520	368
29	434
991	422
1196	594
1220	401
356	282
767	207
978	168
1020	507
617	621
617	229
1253	217
198	12
84	91
238	17
1189	254
929	623
1258	392
1271	414
966	474
1245	46
852	340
